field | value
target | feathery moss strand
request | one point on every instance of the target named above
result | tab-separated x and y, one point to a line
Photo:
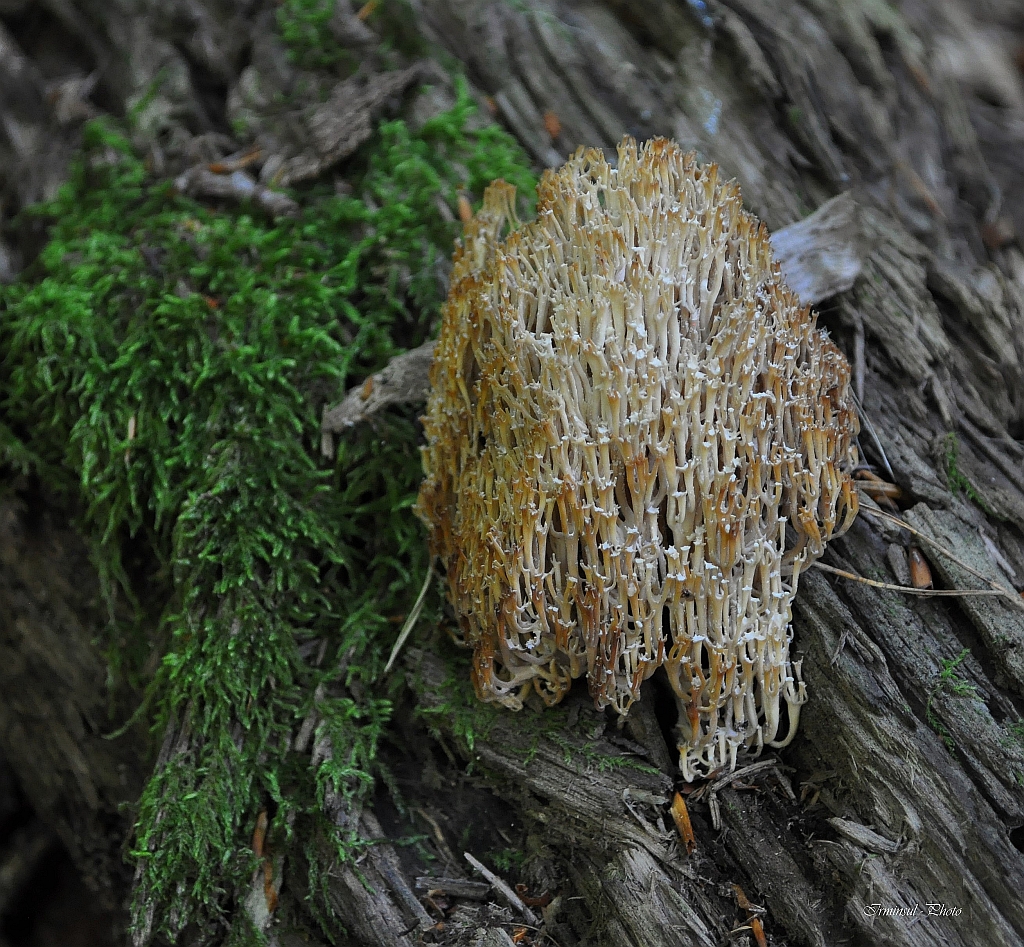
164	368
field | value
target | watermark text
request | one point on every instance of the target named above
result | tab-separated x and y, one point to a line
928	909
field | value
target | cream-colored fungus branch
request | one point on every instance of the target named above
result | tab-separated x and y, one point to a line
636	442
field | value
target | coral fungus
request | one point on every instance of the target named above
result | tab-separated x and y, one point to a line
636	441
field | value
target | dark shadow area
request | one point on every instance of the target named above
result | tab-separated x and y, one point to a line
43	900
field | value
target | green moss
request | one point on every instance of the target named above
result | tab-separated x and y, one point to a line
453	707
950	681
14	454
956	480
304	27
1013	739
589	756
508	860
164	370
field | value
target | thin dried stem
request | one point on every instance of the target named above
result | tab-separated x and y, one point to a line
997	588
412	619
908	589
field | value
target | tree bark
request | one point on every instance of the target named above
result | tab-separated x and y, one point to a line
905	785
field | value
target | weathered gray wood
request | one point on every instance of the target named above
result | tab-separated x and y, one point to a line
54	709
896	774
405	380
375	898
822	255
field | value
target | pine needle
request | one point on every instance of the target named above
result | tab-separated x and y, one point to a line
412	619
996	587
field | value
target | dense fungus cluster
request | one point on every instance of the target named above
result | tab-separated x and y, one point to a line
636	441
